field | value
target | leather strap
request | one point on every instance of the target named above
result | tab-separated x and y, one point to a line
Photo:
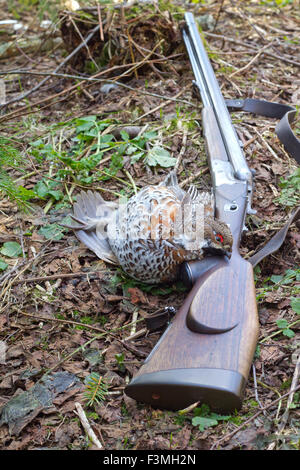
285	113
276	241
158	319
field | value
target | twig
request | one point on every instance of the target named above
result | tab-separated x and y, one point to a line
218	15
83	346
139	64
10	283
131	53
134	319
295	380
189	408
246	18
66	60
232	433
161	105
250	46
85	423
100	22
255	387
75	87
140	50
83	41
273	390
182	150
72	89
139	333
59	320
56	276
265	143
131	180
190	179
253	26
247	66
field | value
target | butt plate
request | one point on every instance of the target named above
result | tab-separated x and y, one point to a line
176	389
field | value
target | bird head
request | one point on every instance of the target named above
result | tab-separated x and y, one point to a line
217	237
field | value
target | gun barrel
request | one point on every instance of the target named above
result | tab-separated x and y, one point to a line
211	95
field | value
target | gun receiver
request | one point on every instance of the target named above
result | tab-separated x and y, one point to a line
206	352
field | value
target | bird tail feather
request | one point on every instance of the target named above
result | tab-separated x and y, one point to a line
92	214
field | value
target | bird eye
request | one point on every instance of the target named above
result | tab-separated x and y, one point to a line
219	238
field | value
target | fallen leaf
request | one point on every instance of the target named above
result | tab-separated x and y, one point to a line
137	296
11	249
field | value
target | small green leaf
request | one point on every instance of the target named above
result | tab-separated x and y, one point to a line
159	156
3	265
276	279
136	157
11	249
124	135
203	422
131	149
295	304
85	123
52	232
288	332
282	323
150	135
41	189
56	194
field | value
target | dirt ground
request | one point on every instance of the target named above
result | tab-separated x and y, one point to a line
65	315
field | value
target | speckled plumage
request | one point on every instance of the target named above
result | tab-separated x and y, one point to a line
148	236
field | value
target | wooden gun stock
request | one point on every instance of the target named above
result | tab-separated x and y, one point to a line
206	352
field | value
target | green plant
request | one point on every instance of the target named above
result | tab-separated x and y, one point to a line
84	320
41	8
286	282
121	278
283	325
12	159
78	159
204	418
277	3
120	361
290	190
96	389
287	286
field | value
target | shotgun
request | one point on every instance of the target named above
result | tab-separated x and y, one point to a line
206	352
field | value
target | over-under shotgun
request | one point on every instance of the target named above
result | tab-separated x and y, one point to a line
206	352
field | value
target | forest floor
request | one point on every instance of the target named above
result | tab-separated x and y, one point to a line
66	316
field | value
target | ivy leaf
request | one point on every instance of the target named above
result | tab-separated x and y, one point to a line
11	249
159	156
